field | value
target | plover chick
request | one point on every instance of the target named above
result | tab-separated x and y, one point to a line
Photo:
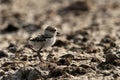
44	41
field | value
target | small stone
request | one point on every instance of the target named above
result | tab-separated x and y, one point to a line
10	28
110	57
12	48
105	66
3	54
30	28
68	56
64	62
24	58
60	43
23	73
84	66
95	59
5	1
76	71
56	72
2	72
35	74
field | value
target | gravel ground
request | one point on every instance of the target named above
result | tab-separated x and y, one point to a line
88	47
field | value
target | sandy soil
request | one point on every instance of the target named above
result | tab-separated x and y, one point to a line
88	47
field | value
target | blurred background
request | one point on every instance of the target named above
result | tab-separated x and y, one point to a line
19	19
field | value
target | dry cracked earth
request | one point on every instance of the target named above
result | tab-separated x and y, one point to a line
88	47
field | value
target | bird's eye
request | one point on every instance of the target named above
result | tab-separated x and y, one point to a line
53	30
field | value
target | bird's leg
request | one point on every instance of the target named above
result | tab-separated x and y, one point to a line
38	52
33	50
30	47
39	55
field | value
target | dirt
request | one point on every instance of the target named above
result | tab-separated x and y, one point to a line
87	48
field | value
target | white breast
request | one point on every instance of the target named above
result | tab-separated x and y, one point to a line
50	41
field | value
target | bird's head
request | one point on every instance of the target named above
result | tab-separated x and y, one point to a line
50	31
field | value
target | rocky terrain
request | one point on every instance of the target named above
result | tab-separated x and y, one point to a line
88	47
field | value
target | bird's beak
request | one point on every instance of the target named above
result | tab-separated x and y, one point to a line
58	33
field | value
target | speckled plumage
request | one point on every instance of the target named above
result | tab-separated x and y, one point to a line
45	40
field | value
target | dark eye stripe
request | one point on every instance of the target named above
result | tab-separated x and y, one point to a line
52	30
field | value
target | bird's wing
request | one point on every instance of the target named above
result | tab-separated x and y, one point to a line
40	38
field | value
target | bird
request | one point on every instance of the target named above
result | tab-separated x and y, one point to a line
43	41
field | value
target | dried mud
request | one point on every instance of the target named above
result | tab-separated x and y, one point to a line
88	47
